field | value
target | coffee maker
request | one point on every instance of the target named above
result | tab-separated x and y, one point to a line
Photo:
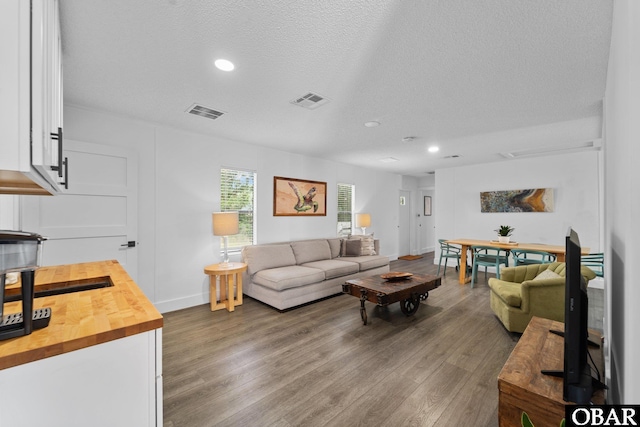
20	253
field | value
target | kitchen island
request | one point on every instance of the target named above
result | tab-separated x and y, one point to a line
99	362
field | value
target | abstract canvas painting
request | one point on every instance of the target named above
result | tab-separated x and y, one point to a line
530	200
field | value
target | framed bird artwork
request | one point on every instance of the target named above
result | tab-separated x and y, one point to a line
299	197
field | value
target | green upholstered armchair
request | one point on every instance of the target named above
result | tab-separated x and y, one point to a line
518	296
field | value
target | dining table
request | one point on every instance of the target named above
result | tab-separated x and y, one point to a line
465	244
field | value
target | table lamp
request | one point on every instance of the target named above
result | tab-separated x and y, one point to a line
225	224
363	220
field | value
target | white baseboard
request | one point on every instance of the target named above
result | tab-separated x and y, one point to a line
180	303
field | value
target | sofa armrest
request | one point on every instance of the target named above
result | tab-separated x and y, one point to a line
545	295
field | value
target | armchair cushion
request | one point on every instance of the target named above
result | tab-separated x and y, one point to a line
547	274
508	292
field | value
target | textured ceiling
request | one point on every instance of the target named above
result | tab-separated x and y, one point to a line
461	74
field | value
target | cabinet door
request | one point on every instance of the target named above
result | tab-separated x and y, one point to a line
109	384
46	91
14	85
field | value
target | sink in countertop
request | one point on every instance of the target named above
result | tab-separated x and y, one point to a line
44	290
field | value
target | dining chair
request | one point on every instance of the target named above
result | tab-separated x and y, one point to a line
595	262
448	251
527	257
487	256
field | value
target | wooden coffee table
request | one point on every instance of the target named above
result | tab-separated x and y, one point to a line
409	291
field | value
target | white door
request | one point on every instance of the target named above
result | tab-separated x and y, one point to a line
404	225
96	218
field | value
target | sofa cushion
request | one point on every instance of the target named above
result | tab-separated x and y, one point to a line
282	278
547	274
261	257
334	268
508	292
353	247
311	250
367	244
370	261
334	245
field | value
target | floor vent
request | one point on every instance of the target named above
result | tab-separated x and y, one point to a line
310	101
209	113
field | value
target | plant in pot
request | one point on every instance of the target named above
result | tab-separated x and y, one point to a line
504	233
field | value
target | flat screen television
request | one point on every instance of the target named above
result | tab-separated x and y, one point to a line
578	383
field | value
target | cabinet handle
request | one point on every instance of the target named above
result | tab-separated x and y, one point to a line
58	137
66	173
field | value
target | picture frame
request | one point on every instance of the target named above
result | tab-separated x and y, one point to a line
299	197
427	205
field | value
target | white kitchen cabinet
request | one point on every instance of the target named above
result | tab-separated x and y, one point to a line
117	383
31	98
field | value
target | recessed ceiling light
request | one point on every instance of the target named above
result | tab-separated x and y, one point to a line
433	149
224	65
372	124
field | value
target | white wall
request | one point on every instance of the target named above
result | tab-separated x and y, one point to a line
8	212
622	228
573	177
179	188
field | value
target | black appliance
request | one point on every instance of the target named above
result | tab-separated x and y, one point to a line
20	253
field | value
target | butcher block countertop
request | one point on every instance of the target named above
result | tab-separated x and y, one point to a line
81	319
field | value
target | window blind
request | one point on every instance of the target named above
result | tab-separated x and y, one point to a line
345	209
237	193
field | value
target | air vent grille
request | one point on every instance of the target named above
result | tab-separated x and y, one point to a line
454	156
557	149
310	101
209	113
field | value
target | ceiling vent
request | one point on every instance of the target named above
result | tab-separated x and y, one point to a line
453	156
560	149
388	160
310	101
209	113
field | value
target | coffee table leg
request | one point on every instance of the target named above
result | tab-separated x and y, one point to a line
363	311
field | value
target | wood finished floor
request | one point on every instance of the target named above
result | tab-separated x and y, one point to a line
319	366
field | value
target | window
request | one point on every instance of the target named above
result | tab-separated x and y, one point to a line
345	209
237	193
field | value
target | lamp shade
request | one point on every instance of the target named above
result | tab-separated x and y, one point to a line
225	223
363	220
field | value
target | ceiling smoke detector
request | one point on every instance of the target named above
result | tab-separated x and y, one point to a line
310	101
207	112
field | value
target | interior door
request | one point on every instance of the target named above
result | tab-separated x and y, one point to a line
404	224
96	218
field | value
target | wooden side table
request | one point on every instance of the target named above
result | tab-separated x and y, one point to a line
229	275
523	388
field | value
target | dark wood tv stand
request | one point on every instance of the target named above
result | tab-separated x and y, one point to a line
522	386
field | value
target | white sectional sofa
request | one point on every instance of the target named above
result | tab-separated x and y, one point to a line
286	275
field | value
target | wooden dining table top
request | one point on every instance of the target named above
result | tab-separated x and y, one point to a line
557	250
